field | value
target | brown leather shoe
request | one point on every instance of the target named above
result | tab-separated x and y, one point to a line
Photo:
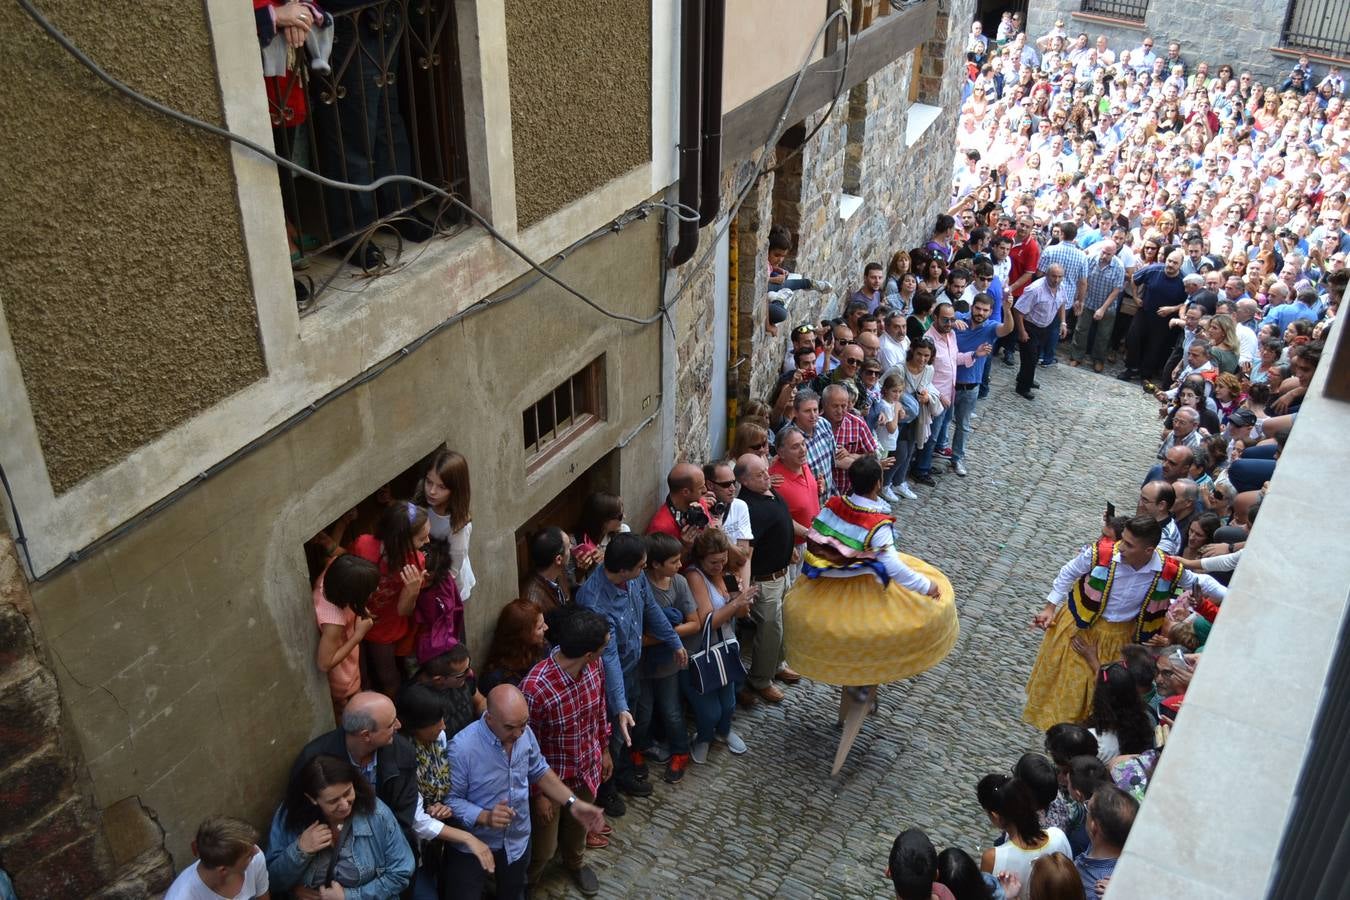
1075	363
596	841
770	694
747	697
787	676
1098	367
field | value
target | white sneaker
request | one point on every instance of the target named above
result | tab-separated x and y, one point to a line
907	492
733	742
700	753
959	468
889	495
821	285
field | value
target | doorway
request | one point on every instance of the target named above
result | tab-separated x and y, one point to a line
564	510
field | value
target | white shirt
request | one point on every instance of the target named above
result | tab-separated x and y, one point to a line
736	525
1128	588
892	354
1247	345
189	886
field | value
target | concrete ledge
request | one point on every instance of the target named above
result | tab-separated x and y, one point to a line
920	118
1102	19
1295	53
1222	796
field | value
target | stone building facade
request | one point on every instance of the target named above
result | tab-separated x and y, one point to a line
1243	33
888	141
155	606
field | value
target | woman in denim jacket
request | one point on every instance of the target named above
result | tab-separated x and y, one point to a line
332	838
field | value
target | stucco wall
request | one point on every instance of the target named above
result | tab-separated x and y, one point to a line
125	281
1238	32
185	648
580	97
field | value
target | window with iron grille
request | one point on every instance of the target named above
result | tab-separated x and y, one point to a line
564	413
1134	10
1317	26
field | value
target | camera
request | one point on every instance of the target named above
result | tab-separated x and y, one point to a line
695	516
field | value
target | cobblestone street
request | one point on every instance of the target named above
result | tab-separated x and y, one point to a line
773	823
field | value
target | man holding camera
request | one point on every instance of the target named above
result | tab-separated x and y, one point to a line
685	512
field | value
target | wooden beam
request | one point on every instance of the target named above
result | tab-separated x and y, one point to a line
747	127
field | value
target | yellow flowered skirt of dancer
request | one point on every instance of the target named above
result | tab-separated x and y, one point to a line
1061	685
853	631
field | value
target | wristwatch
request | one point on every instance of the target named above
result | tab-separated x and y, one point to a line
570	800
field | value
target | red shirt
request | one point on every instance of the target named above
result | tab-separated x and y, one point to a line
389	627
664	520
801	493
1025	258
569	720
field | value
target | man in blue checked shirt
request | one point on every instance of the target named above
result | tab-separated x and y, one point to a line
619	591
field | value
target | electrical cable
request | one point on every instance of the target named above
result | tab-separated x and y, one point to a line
834	101
402	353
57	35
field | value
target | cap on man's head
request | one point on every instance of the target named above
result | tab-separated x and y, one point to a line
1241	418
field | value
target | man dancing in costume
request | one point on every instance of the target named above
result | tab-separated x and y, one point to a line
864	614
1112	593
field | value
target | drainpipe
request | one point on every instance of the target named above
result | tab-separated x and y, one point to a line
691	108
714	40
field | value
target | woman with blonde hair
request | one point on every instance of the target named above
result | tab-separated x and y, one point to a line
750	437
1224	345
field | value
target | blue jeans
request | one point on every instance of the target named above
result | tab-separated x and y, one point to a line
937	439
964	405
712	711
661	696
902	454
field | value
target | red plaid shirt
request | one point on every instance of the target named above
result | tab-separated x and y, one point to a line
853	433
568	719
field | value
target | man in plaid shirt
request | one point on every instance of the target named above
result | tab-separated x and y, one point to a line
819	439
1075	264
566	693
852	437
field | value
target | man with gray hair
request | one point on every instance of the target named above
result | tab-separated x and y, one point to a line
369	739
1097	312
1185	431
819	436
773	547
852	437
1185	507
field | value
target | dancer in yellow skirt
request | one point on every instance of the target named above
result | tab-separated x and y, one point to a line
864	614
1112	593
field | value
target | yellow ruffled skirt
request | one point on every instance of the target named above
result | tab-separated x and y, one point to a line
1060	688
852	631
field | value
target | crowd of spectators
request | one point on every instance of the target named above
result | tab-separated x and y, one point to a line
1191	224
1136	206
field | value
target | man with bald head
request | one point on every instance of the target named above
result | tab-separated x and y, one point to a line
493	764
687	487
1159	287
1097	314
368	738
772	547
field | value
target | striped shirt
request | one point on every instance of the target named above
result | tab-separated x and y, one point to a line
1102	280
1074	261
820	454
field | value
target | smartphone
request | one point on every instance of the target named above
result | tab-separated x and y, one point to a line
1110	511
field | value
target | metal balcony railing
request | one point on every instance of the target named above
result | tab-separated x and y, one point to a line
383	98
1135	10
1317	26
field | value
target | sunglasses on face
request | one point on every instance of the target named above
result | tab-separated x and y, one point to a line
732	483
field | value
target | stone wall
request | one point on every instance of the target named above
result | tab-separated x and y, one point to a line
903	188
1239	32
53	841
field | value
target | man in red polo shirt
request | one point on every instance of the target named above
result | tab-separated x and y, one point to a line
686	487
795	482
1025	257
